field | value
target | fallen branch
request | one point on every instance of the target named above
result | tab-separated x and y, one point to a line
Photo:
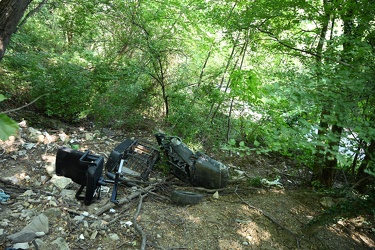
124	200
24	106
136	226
226	190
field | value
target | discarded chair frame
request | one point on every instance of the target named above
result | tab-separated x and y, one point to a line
130	163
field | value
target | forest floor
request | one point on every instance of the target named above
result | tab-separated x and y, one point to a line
240	217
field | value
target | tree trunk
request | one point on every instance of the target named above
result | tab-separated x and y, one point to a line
318	166
369	156
330	164
11	12
362	177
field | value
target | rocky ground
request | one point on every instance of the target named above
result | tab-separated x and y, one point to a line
38	209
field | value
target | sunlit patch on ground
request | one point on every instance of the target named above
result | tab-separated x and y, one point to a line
358	229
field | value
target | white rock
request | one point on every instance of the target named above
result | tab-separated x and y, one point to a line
24	245
40	234
60	182
216	195
128	223
63	137
85	213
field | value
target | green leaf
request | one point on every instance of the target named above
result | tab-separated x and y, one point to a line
2	98
232	142
8	127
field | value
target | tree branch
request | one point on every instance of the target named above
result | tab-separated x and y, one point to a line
124	200
309	52
30	14
24	106
136	226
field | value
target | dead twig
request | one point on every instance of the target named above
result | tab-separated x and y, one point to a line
124	200
122	214
227	190
138	227
24	106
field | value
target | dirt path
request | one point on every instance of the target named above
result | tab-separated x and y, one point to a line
242	217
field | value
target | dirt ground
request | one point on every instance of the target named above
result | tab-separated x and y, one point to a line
242	216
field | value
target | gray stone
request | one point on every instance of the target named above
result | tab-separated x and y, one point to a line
39	243
114	236
38	224
89	136
22	236
34	135
60	244
53	213
78	218
68	194
4	223
60	182
40	234
27	214
93	235
23	245
15	215
28	193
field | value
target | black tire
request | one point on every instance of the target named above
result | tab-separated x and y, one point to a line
185	198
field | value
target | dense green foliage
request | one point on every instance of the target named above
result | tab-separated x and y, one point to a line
288	77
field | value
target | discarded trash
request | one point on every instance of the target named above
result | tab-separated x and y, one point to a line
185	198
3	196
130	162
196	168
275	183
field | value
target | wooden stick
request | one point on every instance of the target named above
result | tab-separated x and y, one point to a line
136	226
124	200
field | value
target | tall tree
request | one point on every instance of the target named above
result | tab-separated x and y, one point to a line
11	12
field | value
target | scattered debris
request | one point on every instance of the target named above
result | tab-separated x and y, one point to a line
27	171
275	183
3	196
